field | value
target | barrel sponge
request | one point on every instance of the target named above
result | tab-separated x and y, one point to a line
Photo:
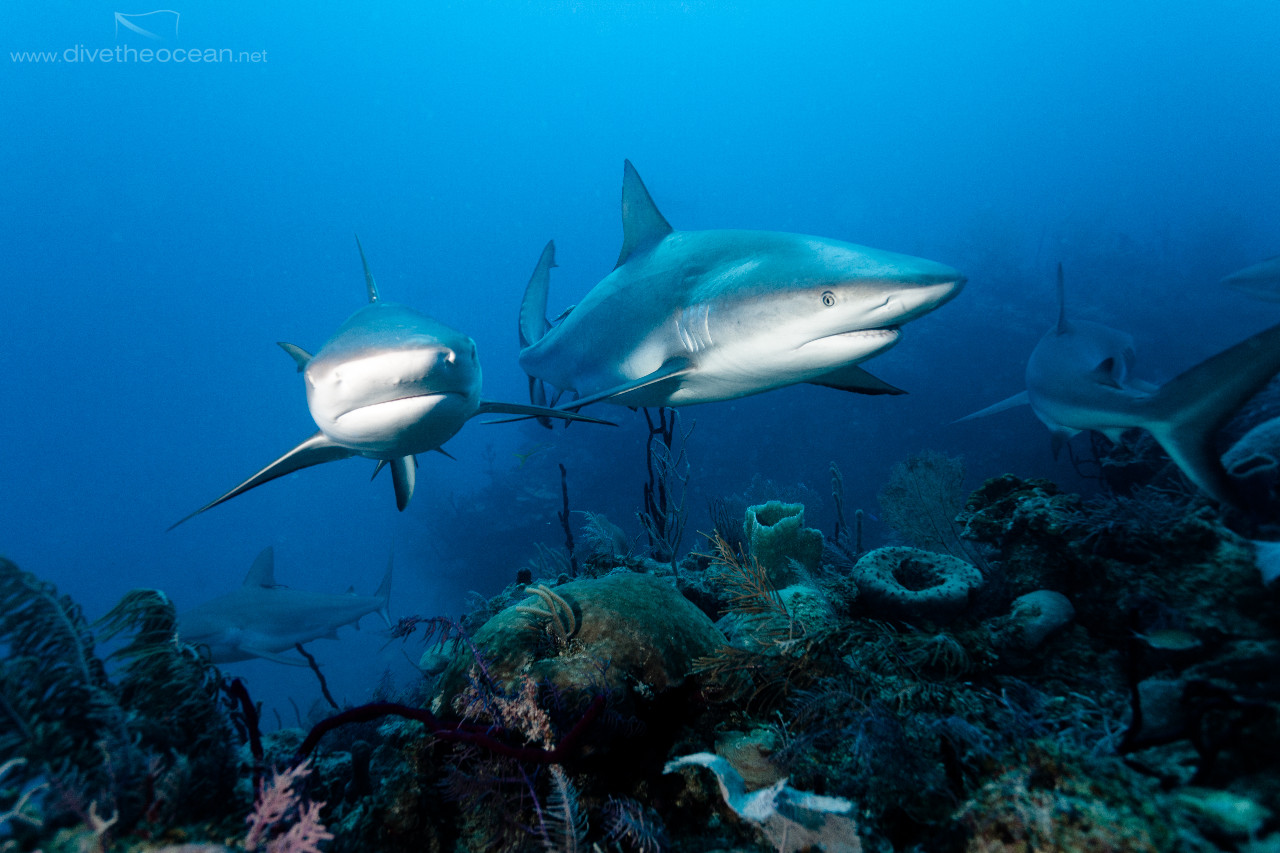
908	583
1256	453
776	534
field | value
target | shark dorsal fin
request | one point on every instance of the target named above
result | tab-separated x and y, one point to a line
300	356
642	224
263	571
368	276
1062	327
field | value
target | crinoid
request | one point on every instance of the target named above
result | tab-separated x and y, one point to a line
562	630
940	653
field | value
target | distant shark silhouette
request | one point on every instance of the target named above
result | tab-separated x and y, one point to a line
1261	281
391	383
263	619
696	316
1078	378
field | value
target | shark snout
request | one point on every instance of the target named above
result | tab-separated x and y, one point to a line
921	298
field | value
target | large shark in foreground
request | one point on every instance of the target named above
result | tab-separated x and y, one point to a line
263	619
1079	378
696	316
391	383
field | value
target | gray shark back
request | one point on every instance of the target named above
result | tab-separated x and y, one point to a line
696	316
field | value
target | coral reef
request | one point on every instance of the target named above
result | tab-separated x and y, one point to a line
1102	676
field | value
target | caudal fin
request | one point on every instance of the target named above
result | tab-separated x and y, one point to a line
533	319
1188	410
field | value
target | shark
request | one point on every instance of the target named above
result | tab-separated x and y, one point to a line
391	383
691	317
1080	377
1261	280
263	619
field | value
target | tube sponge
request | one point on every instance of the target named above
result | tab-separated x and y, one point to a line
776	533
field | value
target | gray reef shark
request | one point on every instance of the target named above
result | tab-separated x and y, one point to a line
1261	281
392	382
697	316
1079	378
263	619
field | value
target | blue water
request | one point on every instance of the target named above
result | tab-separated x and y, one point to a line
165	223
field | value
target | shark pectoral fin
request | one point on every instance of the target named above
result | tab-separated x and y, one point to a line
404	474
300	356
642	224
1189	409
1019	399
672	371
489	407
275	657
855	379
445	453
314	451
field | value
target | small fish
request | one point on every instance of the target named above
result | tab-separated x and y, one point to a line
1170	639
524	455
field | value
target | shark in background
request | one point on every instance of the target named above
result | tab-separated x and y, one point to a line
698	316
391	383
1261	280
263	619
1079	377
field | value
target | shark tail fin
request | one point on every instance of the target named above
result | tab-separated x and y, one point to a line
383	591
1186	412
533	320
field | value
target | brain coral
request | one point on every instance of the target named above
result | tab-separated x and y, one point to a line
647	633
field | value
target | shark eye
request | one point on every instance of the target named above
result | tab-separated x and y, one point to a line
828	298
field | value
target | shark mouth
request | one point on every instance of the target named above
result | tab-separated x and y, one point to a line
891	332
425	401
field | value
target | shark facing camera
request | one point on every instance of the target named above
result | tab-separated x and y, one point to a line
391	383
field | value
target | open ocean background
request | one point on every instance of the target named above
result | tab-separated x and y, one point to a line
163	224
